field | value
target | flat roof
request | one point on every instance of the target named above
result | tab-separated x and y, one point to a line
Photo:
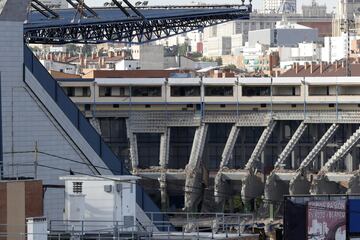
117	178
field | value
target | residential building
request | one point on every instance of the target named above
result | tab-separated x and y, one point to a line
217	46
254	59
323	69
304	52
51	65
259	21
127	65
284	35
335	48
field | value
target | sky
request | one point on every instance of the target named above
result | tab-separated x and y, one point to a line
257	3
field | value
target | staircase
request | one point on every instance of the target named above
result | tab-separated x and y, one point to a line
291	144
229	146
259	148
342	151
322	142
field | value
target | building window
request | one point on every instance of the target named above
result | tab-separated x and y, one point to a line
293	105
188	91
113	92
146	91
222	106
70	91
219	91
86	92
77	187
331	105
286	91
263	105
190	106
147	106
105	92
87	107
251	91
116	105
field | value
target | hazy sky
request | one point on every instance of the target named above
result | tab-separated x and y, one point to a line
257	3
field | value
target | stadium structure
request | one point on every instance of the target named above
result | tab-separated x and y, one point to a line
197	143
43	133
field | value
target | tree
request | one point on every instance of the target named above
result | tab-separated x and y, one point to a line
183	49
231	67
219	61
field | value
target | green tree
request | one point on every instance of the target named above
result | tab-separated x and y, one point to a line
183	49
219	61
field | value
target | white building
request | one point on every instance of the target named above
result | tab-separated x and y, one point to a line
305	52
280	6
217	46
335	48
284	35
127	65
59	66
237	42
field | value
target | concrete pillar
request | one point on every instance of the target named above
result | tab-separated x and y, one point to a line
164	149
194	172
163	192
322	159
133	151
220	185
293	159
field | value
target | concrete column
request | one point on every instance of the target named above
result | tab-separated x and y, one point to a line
349	165
322	159
293	160
163	192
133	151
194	171
220	184
164	149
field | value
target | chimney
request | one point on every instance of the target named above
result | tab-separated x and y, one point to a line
306	66
81	60
312	67
111	54
297	68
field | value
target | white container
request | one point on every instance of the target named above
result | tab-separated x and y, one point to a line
103	203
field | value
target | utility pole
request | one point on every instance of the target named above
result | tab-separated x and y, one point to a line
346	27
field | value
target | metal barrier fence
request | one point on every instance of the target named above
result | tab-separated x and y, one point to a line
188	225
